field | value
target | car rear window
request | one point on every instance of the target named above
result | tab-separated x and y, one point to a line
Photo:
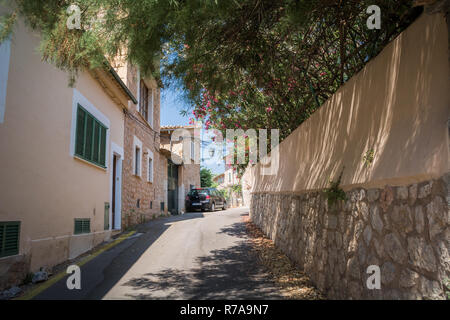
196	192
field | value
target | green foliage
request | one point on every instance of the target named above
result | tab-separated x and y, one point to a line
240	64
237	188
368	157
334	193
6	25
224	193
206	178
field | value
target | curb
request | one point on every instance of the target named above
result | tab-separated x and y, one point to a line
54	279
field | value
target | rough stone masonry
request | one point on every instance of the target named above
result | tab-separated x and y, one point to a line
404	230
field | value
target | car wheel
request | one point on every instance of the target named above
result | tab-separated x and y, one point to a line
224	207
213	207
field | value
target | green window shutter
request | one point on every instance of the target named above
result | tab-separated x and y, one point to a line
102	146
87	226
96	145
78	226
79	144
9	238
89	138
82	226
90	143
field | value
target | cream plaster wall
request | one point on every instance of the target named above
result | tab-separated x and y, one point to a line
398	105
41	184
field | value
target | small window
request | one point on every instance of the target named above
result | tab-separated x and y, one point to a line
90	141
9	238
137	159
82	226
162	206
143	100
192	149
150	169
151	102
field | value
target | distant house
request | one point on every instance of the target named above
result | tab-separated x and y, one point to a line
228	181
182	154
219	179
61	156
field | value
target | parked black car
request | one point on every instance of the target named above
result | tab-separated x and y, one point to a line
205	199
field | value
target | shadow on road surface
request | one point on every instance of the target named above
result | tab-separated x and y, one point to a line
230	273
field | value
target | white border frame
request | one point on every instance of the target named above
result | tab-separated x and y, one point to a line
137	143
150	156
5	59
117	151
78	98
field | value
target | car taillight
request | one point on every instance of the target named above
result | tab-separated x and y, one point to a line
207	197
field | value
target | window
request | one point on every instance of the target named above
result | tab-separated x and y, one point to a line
192	149
150	169
143	100
137	157
137	163
150	166
9	238
90	140
82	226
150	107
146	102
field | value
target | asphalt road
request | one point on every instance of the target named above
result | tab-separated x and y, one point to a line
193	256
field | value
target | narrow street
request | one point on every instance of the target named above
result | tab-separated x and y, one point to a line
193	256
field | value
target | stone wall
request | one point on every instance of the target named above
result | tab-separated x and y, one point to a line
403	230
137	189
13	270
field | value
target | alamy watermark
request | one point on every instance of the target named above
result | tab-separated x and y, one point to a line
242	147
74	20
374	280
74	280
374	20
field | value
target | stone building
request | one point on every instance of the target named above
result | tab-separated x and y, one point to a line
181	147
143	167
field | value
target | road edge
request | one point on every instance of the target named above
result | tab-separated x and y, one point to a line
47	284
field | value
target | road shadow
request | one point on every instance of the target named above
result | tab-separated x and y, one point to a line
235	230
231	273
104	272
